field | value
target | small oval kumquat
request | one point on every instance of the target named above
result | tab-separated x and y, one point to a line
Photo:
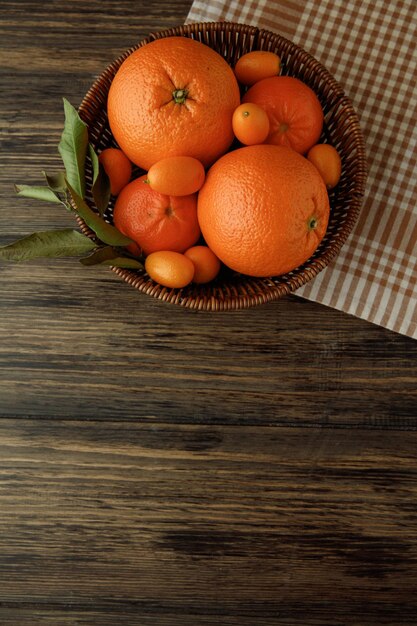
176	176
256	65
170	269
328	162
117	167
206	264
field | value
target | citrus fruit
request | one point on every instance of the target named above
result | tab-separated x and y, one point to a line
134	249
250	124
177	175
117	167
327	160
171	97
294	111
256	65
156	221
206	264
170	269
263	209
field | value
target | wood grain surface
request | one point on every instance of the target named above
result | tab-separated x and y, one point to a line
131	523
160	466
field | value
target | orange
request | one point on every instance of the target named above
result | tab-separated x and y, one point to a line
117	167
294	111
327	160
263	210
250	124
206	264
177	175
256	65
173	97
156	221
170	269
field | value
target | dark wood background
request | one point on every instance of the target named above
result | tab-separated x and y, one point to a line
166	467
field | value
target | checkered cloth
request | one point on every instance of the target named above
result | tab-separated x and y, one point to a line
370	48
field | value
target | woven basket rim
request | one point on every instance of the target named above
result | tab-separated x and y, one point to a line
270	288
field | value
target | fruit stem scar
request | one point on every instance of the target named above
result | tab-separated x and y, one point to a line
179	95
312	222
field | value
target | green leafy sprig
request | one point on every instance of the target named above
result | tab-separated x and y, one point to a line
68	189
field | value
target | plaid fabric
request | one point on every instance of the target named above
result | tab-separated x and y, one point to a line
369	47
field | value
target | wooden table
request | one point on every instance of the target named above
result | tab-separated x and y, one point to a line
164	467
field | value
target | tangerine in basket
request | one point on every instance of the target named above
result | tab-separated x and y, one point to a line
177	175
263	210
256	65
294	111
170	269
117	167
206	264
250	124
328	162
173	96
156	221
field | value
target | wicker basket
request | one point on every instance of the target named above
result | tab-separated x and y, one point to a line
341	129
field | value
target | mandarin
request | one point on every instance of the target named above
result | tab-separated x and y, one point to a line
156	221
263	210
294	111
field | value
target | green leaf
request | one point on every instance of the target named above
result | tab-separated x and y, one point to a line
94	162
101	183
125	262
104	231
73	148
51	243
56	182
110	256
37	192
100	256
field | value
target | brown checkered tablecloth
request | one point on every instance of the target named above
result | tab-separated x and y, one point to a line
370	48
